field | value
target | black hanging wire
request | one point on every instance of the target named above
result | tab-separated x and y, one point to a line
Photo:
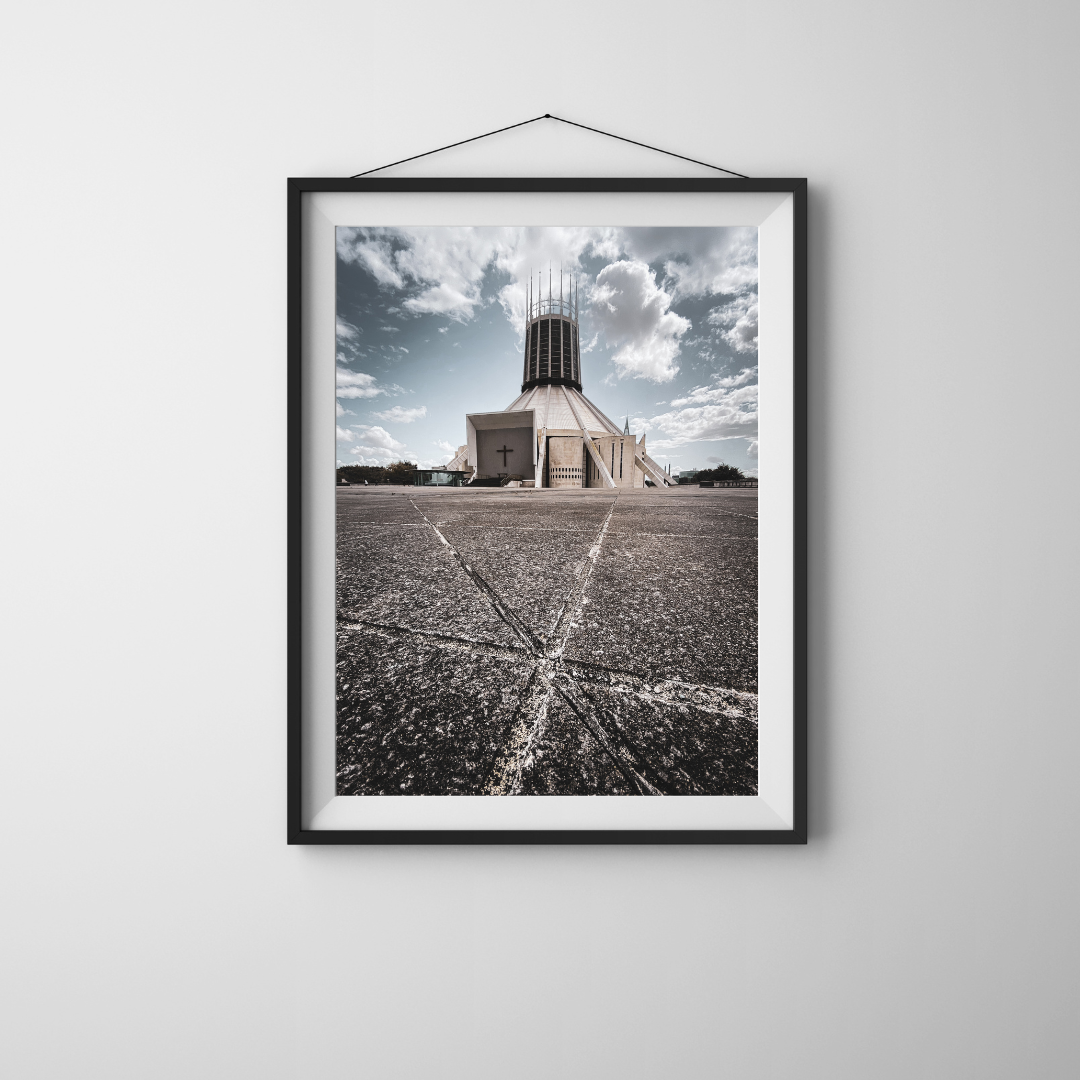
548	116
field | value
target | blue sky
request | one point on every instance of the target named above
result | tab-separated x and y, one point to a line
430	325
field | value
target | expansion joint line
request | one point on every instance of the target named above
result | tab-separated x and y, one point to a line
530	716
553	675
391	631
575	597
622	755
735	513
523	633
615	680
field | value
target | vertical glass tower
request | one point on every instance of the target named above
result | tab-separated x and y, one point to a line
552	355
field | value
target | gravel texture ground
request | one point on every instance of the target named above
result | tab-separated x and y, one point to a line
523	642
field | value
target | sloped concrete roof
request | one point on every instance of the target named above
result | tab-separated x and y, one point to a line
553	410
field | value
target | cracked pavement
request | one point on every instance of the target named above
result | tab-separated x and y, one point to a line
532	642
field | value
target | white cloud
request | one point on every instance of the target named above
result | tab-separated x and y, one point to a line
445	299
376	438
390	329
355	384
751	449
398	415
730	413
633	312
441	271
344	436
346	331
442	444
348	342
712	262
342	411
366	455
372	252
450	265
376	446
443	268
717	391
538	255
737	321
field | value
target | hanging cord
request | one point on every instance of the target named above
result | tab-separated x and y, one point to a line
548	116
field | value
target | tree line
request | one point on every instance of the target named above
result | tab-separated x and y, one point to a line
721	472
400	472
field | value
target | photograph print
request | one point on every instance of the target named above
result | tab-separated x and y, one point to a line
546	511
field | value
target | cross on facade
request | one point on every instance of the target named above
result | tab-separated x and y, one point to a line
504	451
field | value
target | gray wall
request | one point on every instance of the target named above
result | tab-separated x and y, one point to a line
155	923
519	460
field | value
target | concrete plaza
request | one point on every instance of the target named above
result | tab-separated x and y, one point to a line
497	641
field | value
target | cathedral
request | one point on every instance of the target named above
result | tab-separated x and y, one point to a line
552	435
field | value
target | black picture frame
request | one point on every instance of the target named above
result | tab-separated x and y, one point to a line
297	189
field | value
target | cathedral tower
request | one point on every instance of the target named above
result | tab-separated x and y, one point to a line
552	435
552	352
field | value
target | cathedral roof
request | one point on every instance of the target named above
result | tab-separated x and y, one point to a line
552	405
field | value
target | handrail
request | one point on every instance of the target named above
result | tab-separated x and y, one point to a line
552	307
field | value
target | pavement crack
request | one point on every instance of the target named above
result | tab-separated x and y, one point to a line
615	745
575	597
708	698
547	694
734	513
529	722
511	618
556	677
391	631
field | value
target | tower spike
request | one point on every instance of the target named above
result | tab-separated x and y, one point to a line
560	343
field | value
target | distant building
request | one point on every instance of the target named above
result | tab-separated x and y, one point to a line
438	478
552	434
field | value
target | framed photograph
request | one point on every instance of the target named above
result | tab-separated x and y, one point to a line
547	511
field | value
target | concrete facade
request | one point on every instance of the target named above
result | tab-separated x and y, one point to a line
620	454
550	412
565	461
486	436
505	451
